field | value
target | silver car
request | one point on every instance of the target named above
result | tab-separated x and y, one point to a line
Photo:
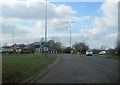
89	53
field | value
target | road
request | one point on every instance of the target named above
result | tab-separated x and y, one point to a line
82	69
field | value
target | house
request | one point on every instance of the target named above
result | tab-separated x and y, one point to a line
16	48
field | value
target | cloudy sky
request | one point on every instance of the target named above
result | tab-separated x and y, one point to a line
96	23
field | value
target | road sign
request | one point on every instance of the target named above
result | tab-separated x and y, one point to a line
37	46
45	49
41	46
37	43
45	44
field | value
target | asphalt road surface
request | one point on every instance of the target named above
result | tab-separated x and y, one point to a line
82	69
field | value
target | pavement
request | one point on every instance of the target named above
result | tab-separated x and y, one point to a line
82	69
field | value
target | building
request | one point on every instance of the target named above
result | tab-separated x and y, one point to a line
16	48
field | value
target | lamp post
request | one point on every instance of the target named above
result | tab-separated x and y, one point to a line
70	33
46	28
13	39
46	23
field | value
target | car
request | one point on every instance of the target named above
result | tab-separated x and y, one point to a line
102	52
89	53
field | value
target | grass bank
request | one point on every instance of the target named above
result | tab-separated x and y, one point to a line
111	56
18	67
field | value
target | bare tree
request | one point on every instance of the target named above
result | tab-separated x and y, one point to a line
31	48
118	47
42	39
55	39
103	47
81	47
55	46
5	44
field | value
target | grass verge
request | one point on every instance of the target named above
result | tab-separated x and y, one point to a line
112	56
18	67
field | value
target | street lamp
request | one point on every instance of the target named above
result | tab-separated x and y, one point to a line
46	28
70	33
46	23
13	39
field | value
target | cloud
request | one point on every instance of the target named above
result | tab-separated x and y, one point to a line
60	24
18	11
109	40
97	36
110	19
25	11
35	10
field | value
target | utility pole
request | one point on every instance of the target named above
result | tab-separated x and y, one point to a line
70	33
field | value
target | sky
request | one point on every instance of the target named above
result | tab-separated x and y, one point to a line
95	22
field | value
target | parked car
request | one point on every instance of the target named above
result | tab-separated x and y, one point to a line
89	53
102	52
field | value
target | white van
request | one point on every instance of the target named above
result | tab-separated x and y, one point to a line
102	52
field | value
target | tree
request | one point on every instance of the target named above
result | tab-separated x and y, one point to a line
103	47
55	46
42	39
95	51
52	44
5	44
118	47
31	48
111	51
67	50
55	38
81	47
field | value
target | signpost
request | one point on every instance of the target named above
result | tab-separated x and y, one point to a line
37	48
41	47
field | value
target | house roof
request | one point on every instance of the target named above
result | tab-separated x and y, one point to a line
16	46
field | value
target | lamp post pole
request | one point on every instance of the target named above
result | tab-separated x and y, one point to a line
70	38
46	29
13	39
46	23
70	34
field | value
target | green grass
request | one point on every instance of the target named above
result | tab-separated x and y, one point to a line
113	56
19	67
